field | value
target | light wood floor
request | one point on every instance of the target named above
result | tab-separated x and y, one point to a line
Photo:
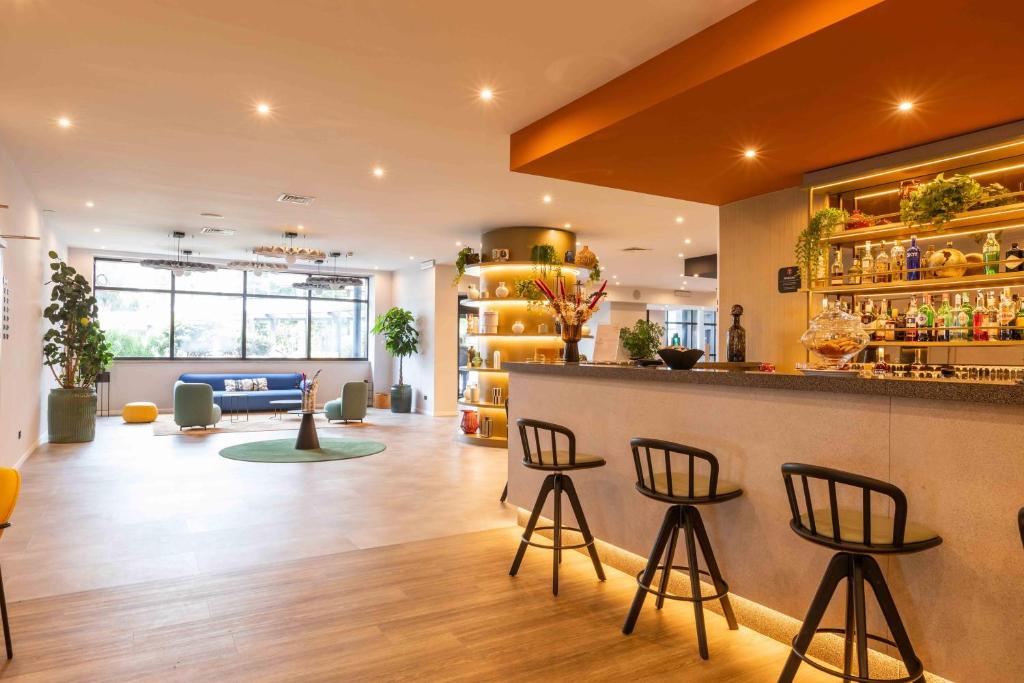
142	558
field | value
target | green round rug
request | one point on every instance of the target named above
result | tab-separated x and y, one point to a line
283	450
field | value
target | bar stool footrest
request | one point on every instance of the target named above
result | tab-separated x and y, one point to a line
914	674
548	546
684	598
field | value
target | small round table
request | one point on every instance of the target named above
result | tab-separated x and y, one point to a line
281	403
307	439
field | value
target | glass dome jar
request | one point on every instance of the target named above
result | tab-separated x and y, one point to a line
835	336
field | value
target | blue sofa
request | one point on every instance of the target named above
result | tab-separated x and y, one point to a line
281	386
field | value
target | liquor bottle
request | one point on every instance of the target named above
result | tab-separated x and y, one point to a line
980	318
1020	321
901	325
837	269
853	276
867	314
881	368
891	323
925	319
1015	329
968	310
992	324
879	325
1006	315
910	334
958	332
675	339
990	254
867	265
943	320
882	265
926	260
913	260
1014	259
898	262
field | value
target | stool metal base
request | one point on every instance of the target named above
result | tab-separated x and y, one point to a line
687	518
857	570
557	484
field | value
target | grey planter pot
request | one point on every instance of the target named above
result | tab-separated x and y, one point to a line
401	398
71	415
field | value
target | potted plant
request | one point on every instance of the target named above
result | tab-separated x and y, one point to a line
642	340
401	339
938	201
465	257
76	351
809	251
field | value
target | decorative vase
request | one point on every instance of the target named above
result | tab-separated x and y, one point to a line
486	427
501	291
474	292
542	328
401	398
835	336
309	400
518	327
71	415
490	322
571	337
570	256
470	422
496	362
586	258
737	337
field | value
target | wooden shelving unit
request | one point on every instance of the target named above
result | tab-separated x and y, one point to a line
477	440
995	218
471	404
527	266
472	369
971	344
951	284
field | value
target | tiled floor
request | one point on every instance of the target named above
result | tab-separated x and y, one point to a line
133	507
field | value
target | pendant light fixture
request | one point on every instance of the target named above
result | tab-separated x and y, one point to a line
179	266
320	282
290	253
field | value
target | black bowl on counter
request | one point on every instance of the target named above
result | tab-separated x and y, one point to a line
680	359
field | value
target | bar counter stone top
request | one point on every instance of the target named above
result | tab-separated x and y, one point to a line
1003	393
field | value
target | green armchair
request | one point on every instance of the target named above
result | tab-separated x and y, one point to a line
351	405
194	406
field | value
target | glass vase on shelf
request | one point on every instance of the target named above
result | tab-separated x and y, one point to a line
835	337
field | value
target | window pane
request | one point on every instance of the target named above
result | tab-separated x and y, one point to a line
275	283
129	274
339	329
137	324
224	281
275	328
207	326
349	292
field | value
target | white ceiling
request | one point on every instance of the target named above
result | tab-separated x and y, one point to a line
162	96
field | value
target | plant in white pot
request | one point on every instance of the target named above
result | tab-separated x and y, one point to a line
401	340
75	350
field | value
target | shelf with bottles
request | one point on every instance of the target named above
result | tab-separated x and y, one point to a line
928	344
477	269
521	336
469	368
938	284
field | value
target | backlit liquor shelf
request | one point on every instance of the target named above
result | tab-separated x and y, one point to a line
938	284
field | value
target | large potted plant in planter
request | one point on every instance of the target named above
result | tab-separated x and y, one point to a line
400	339
76	351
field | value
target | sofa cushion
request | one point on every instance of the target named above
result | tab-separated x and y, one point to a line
289	380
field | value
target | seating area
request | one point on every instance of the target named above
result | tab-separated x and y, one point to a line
536	341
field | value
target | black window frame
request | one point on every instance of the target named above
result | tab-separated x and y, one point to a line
245	296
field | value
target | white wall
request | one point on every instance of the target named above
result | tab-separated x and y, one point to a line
24	381
432	299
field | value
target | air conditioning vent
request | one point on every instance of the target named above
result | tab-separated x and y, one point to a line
682	293
286	198
219	232
637	249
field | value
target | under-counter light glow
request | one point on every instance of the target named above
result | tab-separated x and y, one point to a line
750	153
905	105
64	122
546	198
89	205
486	94
263	108
378	172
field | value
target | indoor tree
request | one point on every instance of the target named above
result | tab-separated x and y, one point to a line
401	339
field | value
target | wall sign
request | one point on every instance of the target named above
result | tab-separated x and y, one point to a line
789	280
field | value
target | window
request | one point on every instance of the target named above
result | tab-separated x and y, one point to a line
149	313
693	328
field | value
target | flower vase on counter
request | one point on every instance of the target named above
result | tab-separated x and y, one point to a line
309	387
571	309
571	335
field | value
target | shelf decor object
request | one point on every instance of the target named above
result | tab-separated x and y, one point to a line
571	309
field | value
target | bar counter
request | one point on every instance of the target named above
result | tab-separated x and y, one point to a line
955	448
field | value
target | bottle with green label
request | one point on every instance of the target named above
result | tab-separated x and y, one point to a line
990	254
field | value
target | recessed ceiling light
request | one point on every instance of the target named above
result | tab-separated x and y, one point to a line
378	172
486	94
680	254
89	205
579	243
64	122
95	229
906	105
412	258
103	246
750	153
263	108
458	243
679	219
568	225
376	267
546	198
687	240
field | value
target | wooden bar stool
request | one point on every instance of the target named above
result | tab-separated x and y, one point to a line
858	534
684	488
557	463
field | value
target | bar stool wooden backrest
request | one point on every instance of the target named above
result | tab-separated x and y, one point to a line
806	526
680	481
1020	524
532	453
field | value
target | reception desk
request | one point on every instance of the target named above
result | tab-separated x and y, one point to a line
955	448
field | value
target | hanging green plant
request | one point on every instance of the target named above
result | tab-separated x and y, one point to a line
996	194
809	249
595	272
465	257
938	201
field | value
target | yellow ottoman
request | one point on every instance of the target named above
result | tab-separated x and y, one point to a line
139	411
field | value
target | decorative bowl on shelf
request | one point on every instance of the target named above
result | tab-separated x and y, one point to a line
680	359
835	337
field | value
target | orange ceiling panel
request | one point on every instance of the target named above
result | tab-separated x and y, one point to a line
808	84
